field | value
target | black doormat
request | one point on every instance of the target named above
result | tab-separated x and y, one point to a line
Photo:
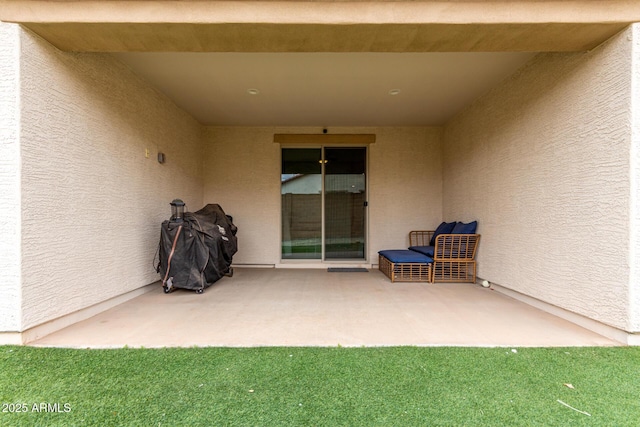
347	270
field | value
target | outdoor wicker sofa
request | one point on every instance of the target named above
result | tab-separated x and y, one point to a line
446	254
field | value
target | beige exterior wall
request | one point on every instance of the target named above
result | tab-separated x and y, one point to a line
634	229
405	185
242	174
542	162
9	178
92	203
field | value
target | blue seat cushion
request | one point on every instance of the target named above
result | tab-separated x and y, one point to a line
443	228
462	228
405	256
426	250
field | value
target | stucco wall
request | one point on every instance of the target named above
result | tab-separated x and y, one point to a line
542	161
405	185
242	174
634	229
92	203
9	179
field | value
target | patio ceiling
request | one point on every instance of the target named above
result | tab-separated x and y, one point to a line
323	89
323	63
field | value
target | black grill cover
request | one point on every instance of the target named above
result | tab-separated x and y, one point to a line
198	251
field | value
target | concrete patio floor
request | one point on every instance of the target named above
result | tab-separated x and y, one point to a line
302	307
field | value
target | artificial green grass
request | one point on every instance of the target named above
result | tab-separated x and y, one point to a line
393	386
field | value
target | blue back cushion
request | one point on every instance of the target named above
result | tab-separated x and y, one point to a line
462	228
443	228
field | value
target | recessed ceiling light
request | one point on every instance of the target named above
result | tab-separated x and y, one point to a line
253	91
394	91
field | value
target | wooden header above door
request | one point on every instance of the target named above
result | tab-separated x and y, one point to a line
324	139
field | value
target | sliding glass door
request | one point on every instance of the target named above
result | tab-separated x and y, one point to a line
301	190
323	194
344	203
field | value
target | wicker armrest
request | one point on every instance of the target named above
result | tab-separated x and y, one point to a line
420	237
456	247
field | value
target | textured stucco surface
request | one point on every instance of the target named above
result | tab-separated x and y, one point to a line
634	229
405	185
542	161
242	174
92	203
9	179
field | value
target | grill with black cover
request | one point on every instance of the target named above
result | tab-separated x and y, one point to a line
197	250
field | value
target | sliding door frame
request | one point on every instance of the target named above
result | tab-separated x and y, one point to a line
303	262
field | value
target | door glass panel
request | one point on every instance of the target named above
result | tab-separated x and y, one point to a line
301	192
345	191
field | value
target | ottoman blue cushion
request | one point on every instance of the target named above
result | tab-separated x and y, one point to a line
426	250
405	256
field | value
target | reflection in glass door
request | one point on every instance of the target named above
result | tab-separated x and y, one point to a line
301	192
344	202
335	180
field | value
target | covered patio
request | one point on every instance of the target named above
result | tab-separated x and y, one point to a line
102	124
313	307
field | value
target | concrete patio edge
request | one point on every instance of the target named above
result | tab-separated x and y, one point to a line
608	331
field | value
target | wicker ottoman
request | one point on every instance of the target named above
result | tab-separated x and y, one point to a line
403	265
